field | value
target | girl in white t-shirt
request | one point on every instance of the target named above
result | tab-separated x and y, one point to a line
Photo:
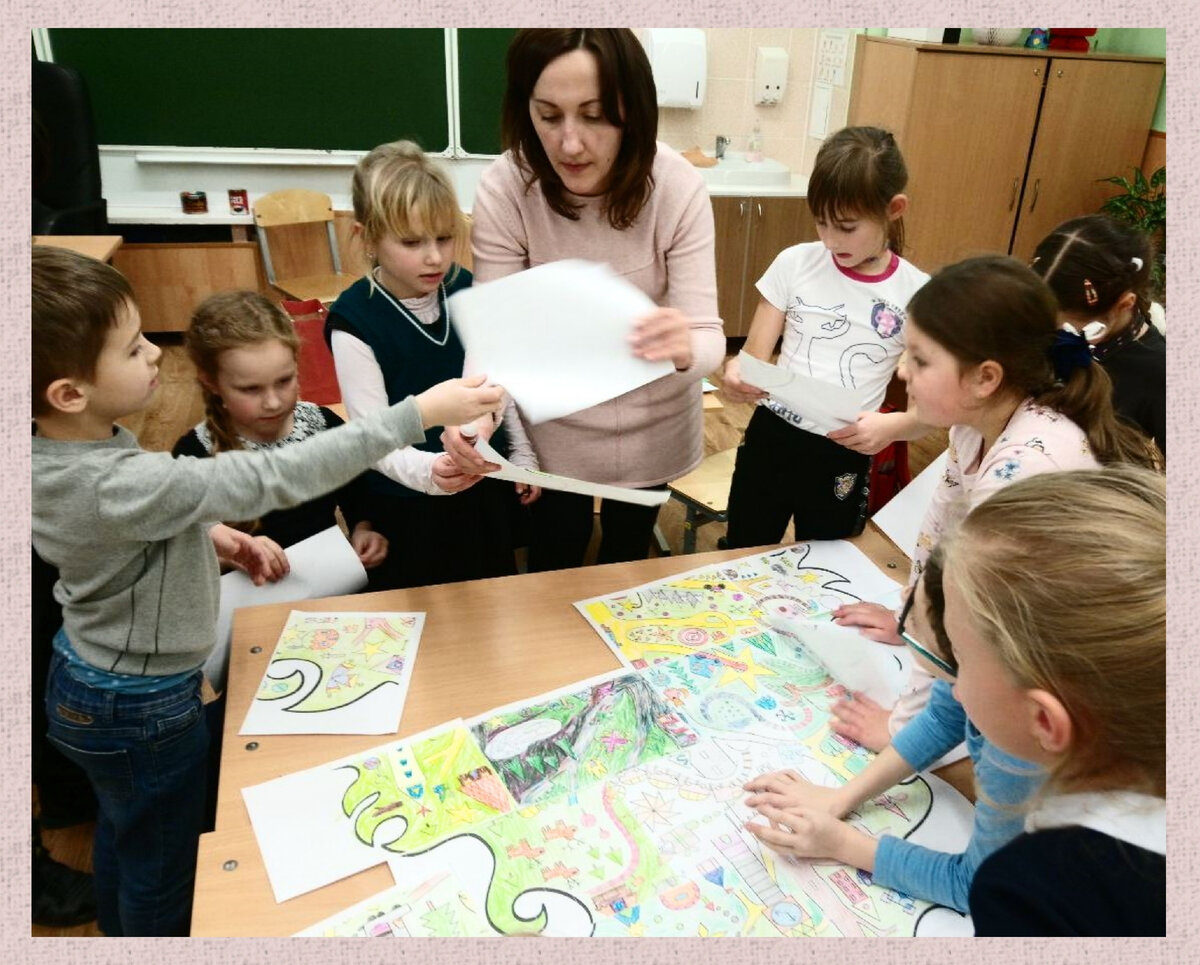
839	304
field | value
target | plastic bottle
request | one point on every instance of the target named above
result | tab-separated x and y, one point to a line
754	152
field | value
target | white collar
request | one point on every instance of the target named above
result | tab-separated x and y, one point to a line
1139	819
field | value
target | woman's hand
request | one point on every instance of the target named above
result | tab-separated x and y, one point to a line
370	545
461	448
448	477
787	789
873	620
732	386
665	333
863	721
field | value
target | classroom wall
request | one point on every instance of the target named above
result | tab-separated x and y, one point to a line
728	104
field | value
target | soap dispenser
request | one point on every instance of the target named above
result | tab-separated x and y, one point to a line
754	152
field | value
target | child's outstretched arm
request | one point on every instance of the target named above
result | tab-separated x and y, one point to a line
874	431
765	330
456	401
258	557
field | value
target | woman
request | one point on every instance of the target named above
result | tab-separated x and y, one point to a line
583	177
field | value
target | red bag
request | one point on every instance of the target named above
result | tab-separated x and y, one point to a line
318	378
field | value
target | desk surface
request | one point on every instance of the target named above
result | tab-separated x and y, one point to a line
100	247
485	643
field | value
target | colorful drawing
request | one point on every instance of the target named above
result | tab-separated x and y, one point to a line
556	743
316	826
727	605
337	673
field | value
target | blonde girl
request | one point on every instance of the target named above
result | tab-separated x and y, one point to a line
245	348
987	359
391	336
1056	612
839	305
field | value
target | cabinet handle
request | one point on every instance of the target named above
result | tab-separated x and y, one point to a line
1059	74
1033	204
741	209
1013	200
758	204
1037	71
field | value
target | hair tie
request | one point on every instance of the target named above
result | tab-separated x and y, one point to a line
1136	262
1069	352
1089	293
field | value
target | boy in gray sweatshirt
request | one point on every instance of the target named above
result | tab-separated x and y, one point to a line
135	539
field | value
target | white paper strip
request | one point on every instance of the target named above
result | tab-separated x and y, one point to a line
643	497
902	516
556	336
829	406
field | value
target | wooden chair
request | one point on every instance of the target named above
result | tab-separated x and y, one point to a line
297	208
704	493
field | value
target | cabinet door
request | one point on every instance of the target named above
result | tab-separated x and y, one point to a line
731	218
776	223
1095	118
967	144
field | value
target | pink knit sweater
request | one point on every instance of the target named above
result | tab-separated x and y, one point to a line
655	433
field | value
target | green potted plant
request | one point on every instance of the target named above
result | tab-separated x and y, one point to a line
1142	204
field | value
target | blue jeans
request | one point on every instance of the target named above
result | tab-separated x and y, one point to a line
146	758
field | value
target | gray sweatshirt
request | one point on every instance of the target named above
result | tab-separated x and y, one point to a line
128	530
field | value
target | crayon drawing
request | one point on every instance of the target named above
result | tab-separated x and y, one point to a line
337	673
727	605
556	743
317	826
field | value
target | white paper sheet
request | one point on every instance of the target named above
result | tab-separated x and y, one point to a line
901	517
643	497
829	406
857	662
325	564
556	336
337	673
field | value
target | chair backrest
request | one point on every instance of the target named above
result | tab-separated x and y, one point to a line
66	158
293	206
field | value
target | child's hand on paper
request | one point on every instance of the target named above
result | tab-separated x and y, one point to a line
448	477
664	334
260	558
787	789
873	620
800	832
459	400
862	720
527	494
869	435
732	386
370	545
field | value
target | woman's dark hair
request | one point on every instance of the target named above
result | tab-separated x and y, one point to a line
993	307
858	171
1095	258
626	88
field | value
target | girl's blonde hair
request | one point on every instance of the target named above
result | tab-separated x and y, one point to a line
226	320
1064	575
993	307
397	189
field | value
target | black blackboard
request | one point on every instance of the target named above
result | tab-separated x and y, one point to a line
481	52
328	89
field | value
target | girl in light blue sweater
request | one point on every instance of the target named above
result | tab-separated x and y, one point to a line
1002	782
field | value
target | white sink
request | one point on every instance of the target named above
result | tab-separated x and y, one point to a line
733	169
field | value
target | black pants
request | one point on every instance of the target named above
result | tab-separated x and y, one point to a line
783	473
444	539
561	527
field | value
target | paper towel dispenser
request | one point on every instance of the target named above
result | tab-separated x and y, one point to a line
679	59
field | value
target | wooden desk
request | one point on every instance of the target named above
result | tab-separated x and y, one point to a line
485	643
100	247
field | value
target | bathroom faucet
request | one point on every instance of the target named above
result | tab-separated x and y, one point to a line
722	143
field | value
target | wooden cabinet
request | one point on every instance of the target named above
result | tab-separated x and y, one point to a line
1002	144
751	231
